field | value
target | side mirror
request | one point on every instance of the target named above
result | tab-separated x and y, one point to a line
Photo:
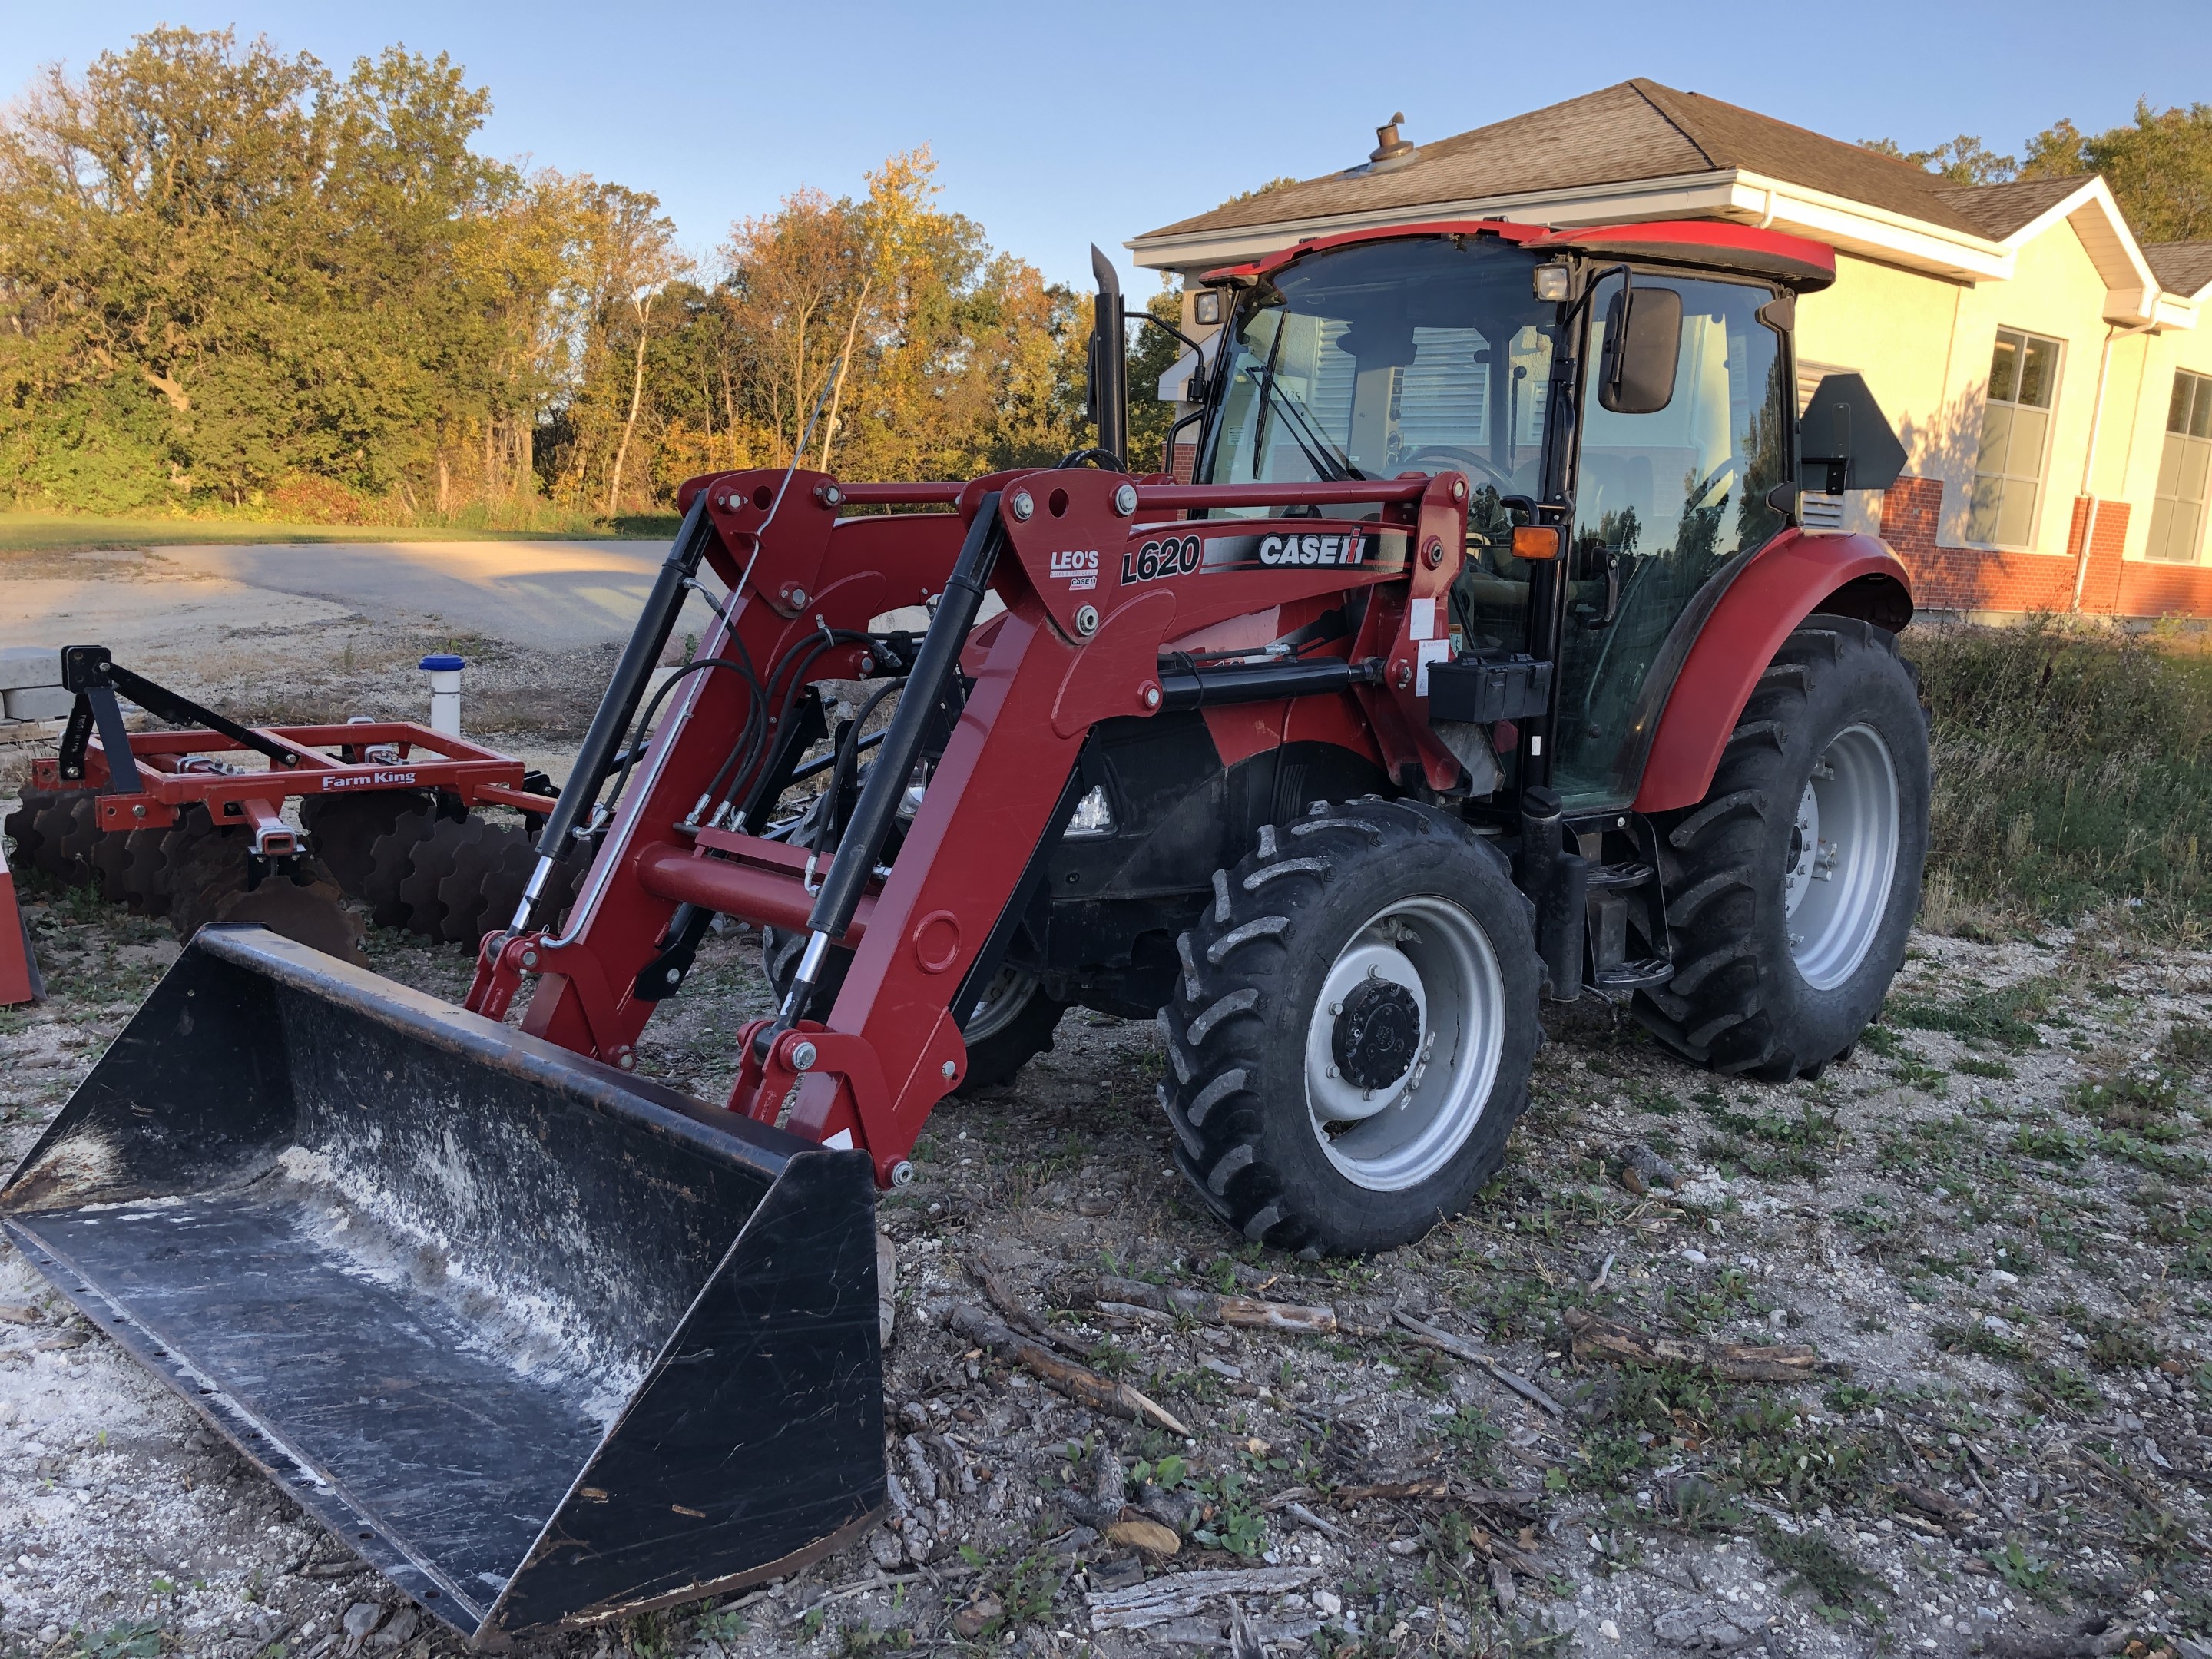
1844	441
1643	341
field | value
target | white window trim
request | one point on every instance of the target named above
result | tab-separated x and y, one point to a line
2042	461
2196	559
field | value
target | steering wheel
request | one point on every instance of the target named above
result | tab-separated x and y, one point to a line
1466	459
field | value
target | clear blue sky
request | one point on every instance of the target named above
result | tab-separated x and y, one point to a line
1058	125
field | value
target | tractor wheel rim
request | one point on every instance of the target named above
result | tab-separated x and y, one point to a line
1400	1133
1007	995
1843	857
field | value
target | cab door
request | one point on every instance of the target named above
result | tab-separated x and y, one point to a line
1663	502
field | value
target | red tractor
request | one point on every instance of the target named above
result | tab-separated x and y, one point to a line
1490	658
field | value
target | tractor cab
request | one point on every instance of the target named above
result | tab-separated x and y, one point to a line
1631	390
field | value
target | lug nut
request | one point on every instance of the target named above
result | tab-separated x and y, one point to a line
1086	620
803	1057
1022	506
1125	500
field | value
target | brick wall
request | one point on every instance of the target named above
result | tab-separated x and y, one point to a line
1970	577
1186	461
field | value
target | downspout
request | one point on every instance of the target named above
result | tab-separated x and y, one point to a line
2089	462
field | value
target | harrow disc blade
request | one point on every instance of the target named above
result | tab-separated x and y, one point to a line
146	870
390	860
210	873
483	855
22	826
66	827
110	860
343	830
429	861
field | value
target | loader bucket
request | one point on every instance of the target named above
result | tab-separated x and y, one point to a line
542	1342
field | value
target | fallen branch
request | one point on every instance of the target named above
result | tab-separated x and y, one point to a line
1180	1596
1736	1362
986	1273
1251	1312
1079	1383
1421	1486
1444	1342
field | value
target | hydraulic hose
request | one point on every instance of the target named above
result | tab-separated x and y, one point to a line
873	815
618	704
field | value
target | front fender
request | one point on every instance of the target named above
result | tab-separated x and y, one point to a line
1772	593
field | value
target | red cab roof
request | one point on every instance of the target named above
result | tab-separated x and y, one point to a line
1714	244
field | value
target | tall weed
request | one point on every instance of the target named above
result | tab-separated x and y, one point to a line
2073	769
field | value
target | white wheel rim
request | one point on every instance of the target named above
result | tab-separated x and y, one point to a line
1842	858
1007	995
1400	1135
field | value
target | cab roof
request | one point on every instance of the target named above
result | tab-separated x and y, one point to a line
1709	244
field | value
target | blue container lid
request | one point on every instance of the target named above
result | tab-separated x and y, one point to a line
442	662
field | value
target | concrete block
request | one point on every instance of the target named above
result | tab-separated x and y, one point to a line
24	665
37	702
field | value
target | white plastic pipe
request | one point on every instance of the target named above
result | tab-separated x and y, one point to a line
444	674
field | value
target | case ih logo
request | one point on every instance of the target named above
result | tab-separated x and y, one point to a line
1077	567
383	780
1368	549
1310	550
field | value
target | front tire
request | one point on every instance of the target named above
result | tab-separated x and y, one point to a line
1791	888
1350	1035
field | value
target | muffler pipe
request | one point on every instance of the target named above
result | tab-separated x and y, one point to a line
618	704
934	666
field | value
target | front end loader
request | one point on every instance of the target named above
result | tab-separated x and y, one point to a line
1498	653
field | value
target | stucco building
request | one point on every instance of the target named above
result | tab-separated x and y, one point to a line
2051	375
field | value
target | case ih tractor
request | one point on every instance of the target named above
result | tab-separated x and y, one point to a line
1489	659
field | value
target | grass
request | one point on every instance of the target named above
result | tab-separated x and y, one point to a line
2073	768
36	533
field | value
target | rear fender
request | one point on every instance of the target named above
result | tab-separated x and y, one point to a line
1770	593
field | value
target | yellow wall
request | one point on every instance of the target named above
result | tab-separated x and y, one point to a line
1924	344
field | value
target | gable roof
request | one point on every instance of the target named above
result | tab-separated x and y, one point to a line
2183	268
1997	211
1634	130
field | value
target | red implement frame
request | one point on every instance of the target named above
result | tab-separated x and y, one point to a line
170	781
1044	674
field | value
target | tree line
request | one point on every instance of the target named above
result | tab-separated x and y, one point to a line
234	280
2159	165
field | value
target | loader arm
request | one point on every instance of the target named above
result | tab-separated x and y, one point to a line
1099	575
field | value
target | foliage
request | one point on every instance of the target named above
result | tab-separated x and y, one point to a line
1840	1587
2160	166
234	281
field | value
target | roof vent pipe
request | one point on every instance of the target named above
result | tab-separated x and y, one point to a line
1390	150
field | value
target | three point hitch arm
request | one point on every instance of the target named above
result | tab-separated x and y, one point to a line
1115	595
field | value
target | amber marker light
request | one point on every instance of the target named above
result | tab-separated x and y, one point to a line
1536	541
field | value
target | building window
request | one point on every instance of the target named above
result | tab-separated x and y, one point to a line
2016	430
2176	515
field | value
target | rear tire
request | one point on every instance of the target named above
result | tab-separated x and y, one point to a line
1350	1038
1791	888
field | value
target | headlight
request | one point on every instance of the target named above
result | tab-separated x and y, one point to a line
1093	819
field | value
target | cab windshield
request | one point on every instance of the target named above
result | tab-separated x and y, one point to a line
1382	358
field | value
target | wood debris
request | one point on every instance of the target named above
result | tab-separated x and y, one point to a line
1128	1296
1079	1383
1737	1362
1180	1596
1459	1348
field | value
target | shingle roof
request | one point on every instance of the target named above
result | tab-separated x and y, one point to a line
1636	129
2180	267
1997	211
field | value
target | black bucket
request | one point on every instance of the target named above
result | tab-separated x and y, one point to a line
542	1342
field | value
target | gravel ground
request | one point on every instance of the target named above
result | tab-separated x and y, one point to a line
1986	1235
